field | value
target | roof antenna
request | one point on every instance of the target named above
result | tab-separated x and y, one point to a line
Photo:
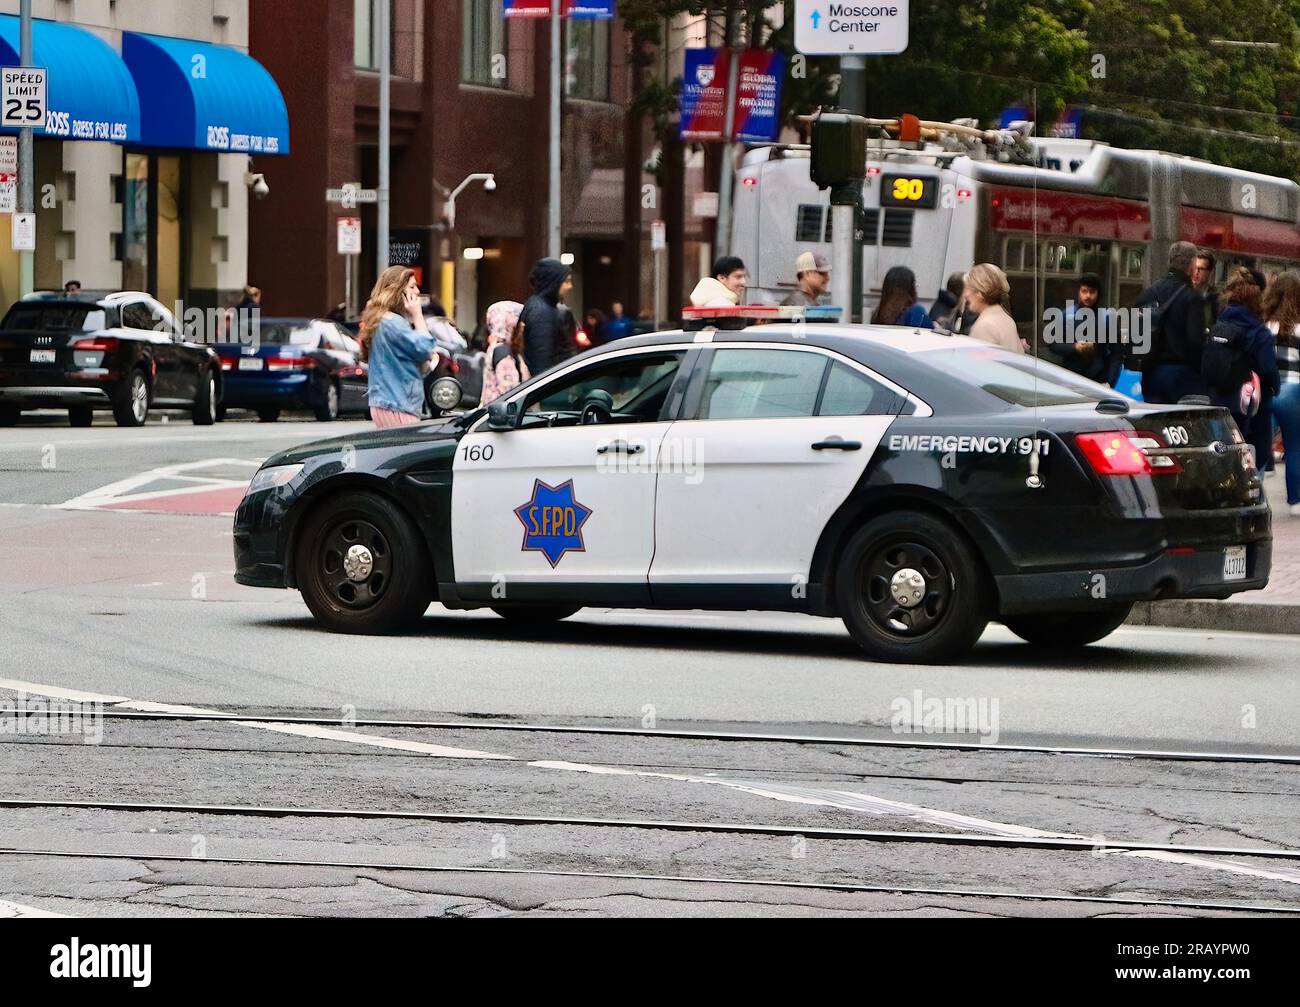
1034	481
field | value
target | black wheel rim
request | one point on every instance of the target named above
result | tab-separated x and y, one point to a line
905	588
354	563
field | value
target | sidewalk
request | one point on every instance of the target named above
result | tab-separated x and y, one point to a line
1276	609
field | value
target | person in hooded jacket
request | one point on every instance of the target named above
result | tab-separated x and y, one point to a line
544	326
1240	307
725	288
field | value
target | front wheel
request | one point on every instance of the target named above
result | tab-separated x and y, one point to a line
910	589
1067	630
204	413
362	567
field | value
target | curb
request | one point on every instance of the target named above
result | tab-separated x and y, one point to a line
1242	617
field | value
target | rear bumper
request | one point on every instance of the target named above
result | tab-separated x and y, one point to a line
292	389
1197	574
54	396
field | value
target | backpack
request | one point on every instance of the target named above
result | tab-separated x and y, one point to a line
1225	360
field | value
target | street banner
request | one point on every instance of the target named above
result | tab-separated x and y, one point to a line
758	95
704	94
582	10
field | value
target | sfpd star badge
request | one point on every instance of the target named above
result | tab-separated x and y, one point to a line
553	521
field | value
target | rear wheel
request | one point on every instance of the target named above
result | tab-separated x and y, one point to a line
535	615
1067	630
9	415
221	414
204	413
269	415
911	589
131	403
81	416
329	409
362	567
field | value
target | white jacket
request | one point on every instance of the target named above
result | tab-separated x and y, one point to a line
711	292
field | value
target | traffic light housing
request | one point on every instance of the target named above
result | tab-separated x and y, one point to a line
839	149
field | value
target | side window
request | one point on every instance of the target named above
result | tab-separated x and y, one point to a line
754	384
137	316
630	389
851	393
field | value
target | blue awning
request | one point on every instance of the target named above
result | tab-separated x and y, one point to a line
202	96
90	93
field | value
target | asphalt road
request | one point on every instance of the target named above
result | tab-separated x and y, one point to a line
133	608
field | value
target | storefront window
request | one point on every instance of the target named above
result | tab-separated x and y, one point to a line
135	223
153	226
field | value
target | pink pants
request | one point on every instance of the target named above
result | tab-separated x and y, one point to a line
384	418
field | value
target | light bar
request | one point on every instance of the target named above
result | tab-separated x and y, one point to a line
764	313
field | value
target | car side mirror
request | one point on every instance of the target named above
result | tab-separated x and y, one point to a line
502	415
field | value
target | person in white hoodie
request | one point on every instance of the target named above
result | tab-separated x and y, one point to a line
725	287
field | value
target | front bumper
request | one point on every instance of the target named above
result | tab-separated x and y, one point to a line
1172	574
261	535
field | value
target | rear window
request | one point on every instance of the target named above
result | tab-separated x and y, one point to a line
54	318
1019	380
281	334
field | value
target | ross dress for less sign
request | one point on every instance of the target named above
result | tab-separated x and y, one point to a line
22	97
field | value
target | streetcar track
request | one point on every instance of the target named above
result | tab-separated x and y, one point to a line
824	886
829	776
667	825
728	736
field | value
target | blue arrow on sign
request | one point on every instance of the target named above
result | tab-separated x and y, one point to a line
816	16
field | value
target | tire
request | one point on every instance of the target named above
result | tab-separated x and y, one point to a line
329	409
9	416
204	413
1068	630
269	414
535	615
940	618
131	402
81	416
389	593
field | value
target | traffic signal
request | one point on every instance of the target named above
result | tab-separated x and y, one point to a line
839	149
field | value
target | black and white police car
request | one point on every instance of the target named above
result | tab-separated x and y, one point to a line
915	484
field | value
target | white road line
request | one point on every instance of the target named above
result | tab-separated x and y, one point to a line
123	487
301	730
17	911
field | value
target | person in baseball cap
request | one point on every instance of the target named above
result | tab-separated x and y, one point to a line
812	271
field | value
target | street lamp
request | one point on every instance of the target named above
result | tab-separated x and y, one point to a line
489	181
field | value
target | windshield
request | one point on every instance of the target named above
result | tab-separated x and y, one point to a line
1019	380
55	318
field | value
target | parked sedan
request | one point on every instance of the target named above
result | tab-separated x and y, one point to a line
121	351
287	363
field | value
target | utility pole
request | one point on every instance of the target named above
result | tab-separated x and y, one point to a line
726	178
553	233
385	122
853	84
26	260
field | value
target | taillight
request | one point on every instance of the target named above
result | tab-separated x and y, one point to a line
88	354
229	363
289	363
102	343
1121	454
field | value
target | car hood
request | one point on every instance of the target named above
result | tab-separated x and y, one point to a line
413	436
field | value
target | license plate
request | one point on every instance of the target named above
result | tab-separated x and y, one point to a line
1234	563
42	356
250	363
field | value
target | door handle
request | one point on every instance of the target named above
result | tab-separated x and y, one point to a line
837	444
621	447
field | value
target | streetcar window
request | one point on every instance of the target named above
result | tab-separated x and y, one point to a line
898	228
808	223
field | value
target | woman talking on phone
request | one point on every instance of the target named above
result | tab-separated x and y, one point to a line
395	340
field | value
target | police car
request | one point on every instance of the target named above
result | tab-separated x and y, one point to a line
914	484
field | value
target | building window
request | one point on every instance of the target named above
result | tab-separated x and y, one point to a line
366	52
586	64
483	43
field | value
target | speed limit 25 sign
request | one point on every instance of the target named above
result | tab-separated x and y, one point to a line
22	97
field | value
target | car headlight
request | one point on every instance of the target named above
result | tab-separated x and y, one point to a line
276	475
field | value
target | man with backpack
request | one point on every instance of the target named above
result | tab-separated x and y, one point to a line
1171	368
